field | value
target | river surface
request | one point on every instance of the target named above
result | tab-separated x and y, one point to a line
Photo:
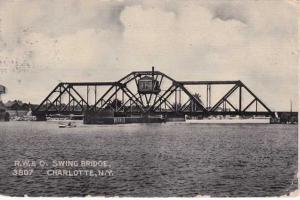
152	160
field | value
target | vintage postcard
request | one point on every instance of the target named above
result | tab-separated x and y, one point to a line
153	98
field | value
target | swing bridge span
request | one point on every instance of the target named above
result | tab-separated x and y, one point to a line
152	93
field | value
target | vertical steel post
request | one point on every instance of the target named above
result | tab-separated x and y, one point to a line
256	106
130	106
59	99
116	99
95	94
123	98
87	95
73	105
152	78
209	95
180	96
240	98
176	100
160	105
69	99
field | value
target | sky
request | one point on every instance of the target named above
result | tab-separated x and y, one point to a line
45	42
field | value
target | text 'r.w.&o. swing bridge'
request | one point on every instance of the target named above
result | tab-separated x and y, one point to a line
146	94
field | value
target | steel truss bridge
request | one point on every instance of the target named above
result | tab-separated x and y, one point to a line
175	98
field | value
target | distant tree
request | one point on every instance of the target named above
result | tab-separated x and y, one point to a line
176	105
115	103
198	97
195	106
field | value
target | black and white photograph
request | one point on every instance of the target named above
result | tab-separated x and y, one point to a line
149	98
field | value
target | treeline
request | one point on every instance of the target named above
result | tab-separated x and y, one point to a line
17	105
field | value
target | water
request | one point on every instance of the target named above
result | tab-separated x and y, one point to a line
154	159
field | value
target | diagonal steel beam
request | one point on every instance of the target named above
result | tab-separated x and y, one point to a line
101	98
183	107
47	98
78	102
105	102
256	97
165	97
56	99
249	105
79	96
160	98
132	97
168	103
224	98
193	98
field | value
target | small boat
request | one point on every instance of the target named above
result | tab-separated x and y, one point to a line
69	125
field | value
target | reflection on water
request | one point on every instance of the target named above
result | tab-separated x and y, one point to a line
154	159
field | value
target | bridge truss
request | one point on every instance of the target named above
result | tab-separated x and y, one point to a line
176	98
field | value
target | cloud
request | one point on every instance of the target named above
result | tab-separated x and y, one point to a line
255	41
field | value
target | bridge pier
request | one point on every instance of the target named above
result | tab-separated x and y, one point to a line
41	117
